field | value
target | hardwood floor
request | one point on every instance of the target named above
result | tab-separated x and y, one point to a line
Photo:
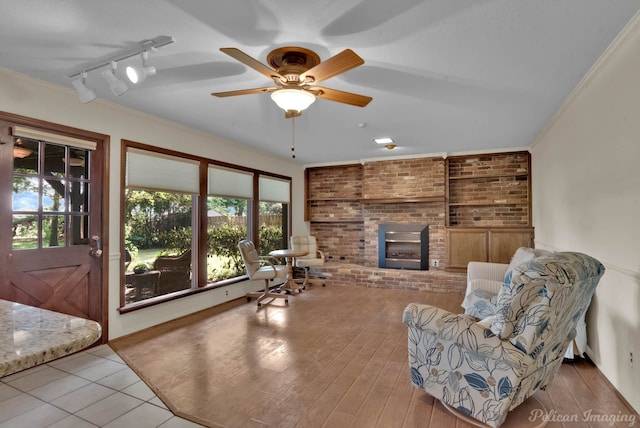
334	357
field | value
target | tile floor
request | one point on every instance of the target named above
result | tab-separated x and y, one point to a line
93	388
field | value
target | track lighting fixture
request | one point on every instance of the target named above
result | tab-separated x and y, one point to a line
117	86
85	94
137	75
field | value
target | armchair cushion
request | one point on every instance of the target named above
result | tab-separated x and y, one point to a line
481	303
522	255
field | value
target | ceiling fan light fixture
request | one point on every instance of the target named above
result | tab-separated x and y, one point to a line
292	99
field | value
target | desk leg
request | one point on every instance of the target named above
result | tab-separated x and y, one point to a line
289	285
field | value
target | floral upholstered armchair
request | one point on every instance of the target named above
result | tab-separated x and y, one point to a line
485	369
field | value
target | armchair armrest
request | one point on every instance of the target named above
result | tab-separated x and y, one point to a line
268	261
485	270
461	330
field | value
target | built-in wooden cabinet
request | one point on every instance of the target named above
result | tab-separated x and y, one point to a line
480	244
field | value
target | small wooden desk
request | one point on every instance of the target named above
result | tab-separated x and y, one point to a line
289	286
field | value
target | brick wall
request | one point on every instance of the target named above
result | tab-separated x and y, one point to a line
505	197
335	182
406	178
501	216
346	225
340	242
512	163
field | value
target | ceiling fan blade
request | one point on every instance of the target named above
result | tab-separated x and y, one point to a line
251	62
339	63
341	96
242	92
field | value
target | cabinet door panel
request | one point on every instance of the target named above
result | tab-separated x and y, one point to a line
503	244
466	245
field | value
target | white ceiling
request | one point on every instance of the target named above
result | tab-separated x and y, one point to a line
445	75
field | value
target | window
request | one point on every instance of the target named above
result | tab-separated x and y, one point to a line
273	214
160	202
228	208
171	217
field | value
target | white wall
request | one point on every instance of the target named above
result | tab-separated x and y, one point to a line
586	197
25	96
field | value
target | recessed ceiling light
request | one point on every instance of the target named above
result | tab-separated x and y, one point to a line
385	140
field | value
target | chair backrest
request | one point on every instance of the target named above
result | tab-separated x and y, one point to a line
127	258
250	256
180	262
539	308
305	243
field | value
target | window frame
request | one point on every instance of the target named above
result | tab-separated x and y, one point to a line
200	227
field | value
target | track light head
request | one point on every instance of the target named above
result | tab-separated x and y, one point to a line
84	93
138	75
117	86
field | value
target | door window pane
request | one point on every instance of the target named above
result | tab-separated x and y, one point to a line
25	156
53	231
78	163
53	192
25	193
25	232
79	196
54	160
79	231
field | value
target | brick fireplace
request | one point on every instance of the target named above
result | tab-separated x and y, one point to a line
346	204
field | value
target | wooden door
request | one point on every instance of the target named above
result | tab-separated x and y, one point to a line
51	223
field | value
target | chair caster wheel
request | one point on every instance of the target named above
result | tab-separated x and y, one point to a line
259	304
324	285
248	299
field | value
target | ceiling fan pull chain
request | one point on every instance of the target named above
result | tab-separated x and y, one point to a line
293	138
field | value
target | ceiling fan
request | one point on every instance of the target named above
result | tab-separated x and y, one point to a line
295	73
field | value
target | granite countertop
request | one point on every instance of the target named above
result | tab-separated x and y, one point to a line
30	336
